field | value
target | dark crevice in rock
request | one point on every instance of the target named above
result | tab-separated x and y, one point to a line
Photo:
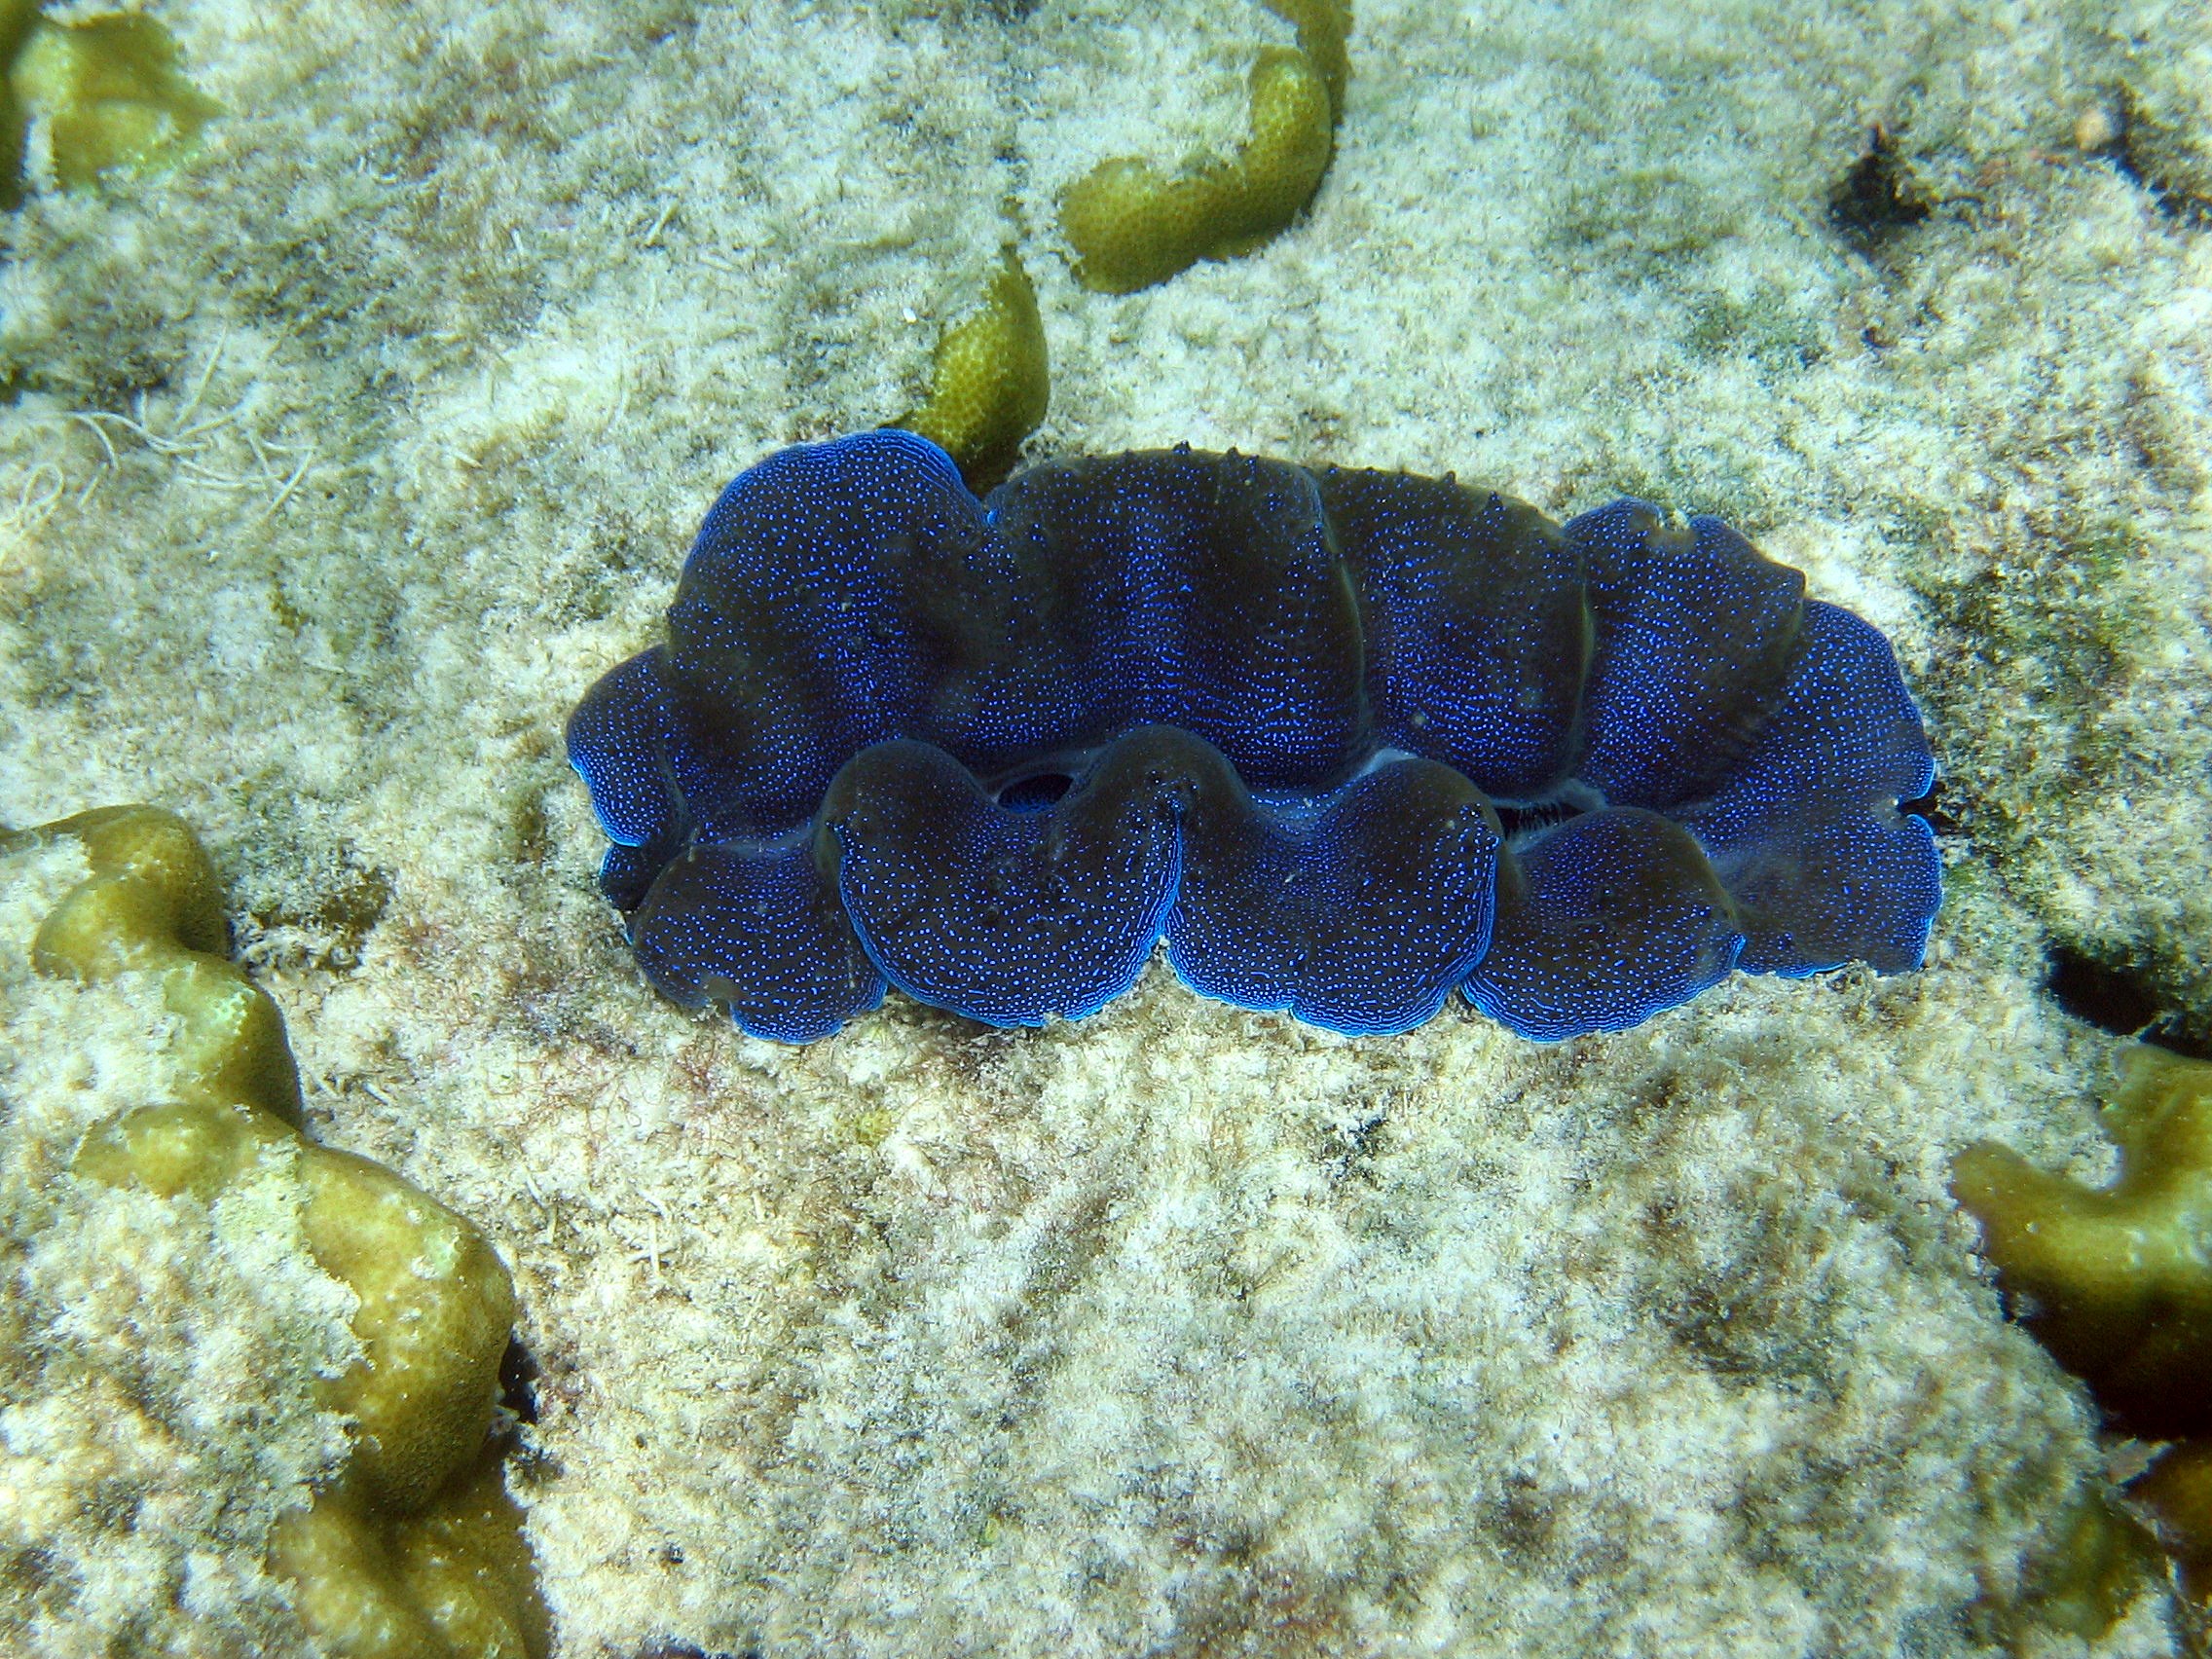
1878	197
2133	149
2119	999
518	1380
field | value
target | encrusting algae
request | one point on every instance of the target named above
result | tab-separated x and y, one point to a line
1132	226
411	1549
2117	1283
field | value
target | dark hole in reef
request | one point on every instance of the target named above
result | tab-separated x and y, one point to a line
1929	807
2130	151
518	1380
1526	820
2116	997
1877	196
1035	794
685	1650
2147	1407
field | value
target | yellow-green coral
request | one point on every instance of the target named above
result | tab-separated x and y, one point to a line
2175	1496
1132	225
990	384
2117	1281
412	1550
2098	1561
453	1580
435	1300
107	90
152	902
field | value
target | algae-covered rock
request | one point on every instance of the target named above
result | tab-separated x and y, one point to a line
2160	114
409	1545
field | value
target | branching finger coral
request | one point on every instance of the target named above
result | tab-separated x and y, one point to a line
1132	225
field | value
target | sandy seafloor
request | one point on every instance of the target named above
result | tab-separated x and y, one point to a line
336	464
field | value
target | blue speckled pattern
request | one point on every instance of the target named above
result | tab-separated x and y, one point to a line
993	751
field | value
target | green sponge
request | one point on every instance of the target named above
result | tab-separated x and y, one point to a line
1132	226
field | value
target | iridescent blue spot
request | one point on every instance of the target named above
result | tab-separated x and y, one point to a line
1344	740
